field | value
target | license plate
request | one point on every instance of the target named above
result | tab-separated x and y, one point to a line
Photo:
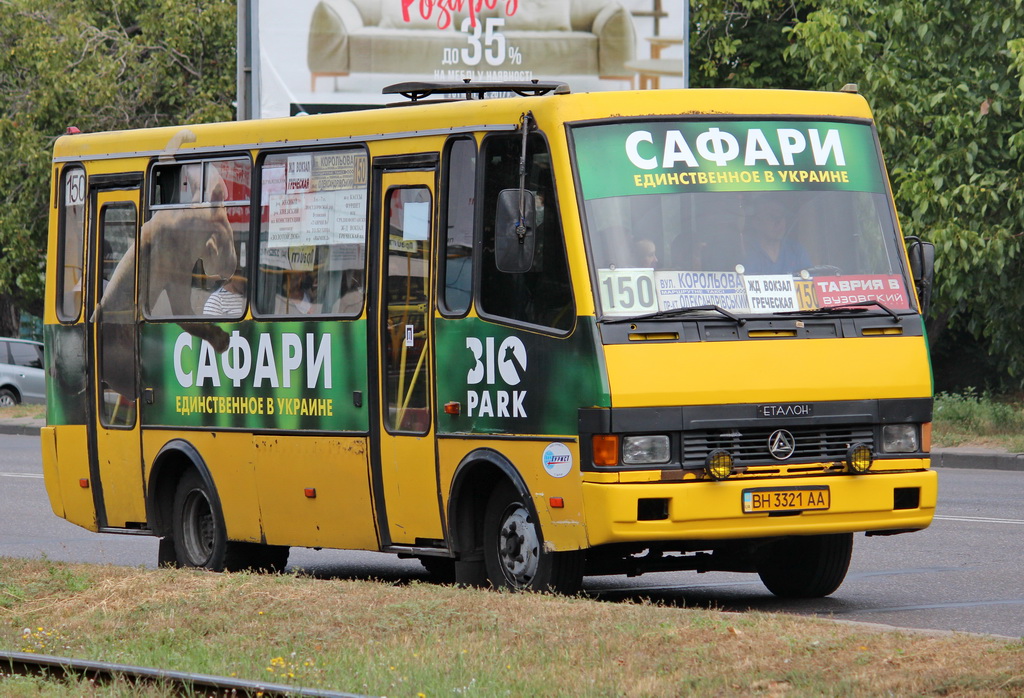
770	499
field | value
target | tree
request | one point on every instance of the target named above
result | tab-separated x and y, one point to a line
97	65
742	43
945	81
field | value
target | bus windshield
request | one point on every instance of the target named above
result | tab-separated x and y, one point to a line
751	217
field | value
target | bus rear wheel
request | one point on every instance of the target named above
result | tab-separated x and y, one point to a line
806	567
200	538
514	552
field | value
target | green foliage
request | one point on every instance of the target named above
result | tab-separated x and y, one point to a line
978	412
97	65
741	43
973	418
944	81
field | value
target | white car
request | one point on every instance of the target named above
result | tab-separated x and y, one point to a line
22	378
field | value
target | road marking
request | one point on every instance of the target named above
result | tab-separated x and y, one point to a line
980	519
34	475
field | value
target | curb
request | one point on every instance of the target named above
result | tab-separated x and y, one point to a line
978	458
21	427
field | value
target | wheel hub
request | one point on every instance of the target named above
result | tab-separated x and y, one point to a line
198	527
519	547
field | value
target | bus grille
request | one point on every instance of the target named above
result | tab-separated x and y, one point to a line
750	446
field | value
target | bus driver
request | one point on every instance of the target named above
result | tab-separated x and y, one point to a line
771	250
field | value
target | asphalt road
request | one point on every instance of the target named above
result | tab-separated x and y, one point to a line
965	573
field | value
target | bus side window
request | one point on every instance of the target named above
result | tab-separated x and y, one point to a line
70	246
312	240
193	245
543	295
459	176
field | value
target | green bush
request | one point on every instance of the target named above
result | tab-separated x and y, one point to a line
972	417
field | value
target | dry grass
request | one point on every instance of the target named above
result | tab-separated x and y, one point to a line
421	639
23	410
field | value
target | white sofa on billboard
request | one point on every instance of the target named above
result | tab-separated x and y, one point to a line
551	38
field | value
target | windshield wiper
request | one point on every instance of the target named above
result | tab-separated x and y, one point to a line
676	312
857	306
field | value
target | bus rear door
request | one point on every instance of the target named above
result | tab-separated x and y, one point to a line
404	465
116	454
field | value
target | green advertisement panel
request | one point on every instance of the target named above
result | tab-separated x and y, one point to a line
273	375
706	156
510	381
67	397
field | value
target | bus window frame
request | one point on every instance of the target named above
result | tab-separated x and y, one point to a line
478	241
571	127
443	217
100	370
256	230
62	230
183	162
149	209
383	283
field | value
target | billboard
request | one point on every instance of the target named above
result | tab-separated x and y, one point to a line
329	55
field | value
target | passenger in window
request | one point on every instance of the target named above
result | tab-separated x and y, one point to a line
645	254
351	301
299	294
229	299
769	249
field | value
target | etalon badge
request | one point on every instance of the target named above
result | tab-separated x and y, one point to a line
781	444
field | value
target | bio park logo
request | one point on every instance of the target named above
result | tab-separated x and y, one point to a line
506	361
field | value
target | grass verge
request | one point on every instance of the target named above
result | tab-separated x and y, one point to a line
23	410
977	419
425	640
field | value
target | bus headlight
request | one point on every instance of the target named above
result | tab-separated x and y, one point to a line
647	449
900	438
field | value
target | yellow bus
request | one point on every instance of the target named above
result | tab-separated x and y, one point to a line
520	334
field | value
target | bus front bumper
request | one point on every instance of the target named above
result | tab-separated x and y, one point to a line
706	510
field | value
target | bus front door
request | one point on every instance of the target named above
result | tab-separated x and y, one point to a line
405	472
115	448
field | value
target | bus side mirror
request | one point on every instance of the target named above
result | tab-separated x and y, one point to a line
515	234
922	268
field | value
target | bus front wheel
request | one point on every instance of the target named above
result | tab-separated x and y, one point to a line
514	552
806	567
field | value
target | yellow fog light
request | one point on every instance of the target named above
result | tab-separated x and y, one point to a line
859	458
718	464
